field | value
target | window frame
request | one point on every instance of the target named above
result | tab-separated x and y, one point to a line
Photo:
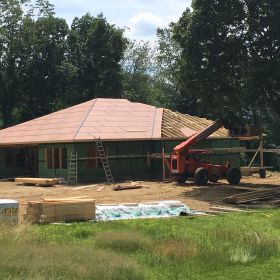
56	158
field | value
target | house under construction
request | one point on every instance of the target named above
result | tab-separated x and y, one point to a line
134	135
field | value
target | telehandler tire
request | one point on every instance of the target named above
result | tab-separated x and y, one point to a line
234	175
201	176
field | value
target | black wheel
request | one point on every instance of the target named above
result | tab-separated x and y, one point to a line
214	178
201	176
182	178
234	175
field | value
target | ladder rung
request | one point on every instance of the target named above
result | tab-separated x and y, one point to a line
104	160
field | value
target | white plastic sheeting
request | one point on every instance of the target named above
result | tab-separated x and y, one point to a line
161	209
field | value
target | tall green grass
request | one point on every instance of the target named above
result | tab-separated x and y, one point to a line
247	245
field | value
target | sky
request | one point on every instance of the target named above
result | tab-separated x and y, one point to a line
139	17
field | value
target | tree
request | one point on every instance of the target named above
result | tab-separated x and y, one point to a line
96	49
137	66
230	57
213	55
43	66
263	19
166	79
32	53
11	18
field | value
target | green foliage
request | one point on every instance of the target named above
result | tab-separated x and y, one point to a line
230	57
45	66
137	66
96	48
41	78
168	61
211	38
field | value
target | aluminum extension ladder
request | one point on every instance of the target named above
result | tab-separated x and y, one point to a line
105	162
73	169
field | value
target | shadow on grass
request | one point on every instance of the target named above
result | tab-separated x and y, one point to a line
22	259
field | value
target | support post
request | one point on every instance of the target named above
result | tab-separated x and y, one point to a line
261	152
163	166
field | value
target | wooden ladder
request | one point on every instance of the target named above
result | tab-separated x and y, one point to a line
105	162
73	169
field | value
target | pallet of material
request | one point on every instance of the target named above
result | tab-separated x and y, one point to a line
253	196
60	210
38	181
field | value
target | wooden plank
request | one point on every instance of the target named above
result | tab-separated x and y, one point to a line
39	181
74	201
85	187
123	188
56	199
226	209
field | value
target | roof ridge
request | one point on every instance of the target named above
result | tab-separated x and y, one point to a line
78	130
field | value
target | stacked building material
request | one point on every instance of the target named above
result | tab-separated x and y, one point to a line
254	196
37	181
53	210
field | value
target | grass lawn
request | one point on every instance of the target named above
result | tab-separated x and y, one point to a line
236	246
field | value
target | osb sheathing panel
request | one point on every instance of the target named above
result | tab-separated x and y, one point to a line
107	119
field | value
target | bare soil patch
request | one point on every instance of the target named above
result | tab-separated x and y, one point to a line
196	197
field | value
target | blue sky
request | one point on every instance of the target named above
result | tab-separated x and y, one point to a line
140	17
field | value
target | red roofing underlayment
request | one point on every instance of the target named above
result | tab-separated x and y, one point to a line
109	119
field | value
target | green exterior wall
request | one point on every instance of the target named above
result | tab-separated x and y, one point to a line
8	172
122	168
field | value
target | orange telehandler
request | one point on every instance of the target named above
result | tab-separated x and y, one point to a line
188	163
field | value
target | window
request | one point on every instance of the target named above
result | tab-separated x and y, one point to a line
93	161
56	158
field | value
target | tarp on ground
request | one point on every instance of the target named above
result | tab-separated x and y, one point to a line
161	209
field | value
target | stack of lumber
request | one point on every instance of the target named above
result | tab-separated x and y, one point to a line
37	181
51	210
254	196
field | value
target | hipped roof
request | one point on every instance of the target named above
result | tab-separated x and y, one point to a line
107	119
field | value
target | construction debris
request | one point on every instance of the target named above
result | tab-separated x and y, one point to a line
51	210
100	189
254	196
123	188
226	209
85	187
37	181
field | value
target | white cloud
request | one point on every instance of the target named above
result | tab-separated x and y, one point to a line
146	17
142	17
143	26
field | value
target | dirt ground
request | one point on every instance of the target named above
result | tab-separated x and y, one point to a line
196	197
